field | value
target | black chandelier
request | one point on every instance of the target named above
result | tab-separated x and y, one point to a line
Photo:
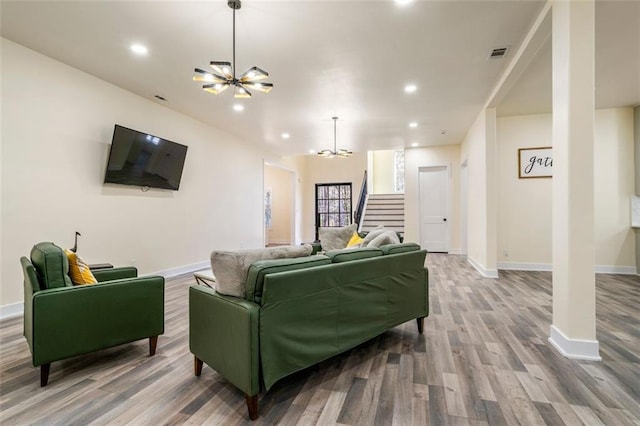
224	73
327	153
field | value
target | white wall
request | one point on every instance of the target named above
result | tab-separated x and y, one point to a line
328	170
524	214
414	158
57	124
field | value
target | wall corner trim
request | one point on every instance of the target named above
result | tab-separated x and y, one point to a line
574	348
487	273
11	311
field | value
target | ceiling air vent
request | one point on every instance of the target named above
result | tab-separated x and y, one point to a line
498	52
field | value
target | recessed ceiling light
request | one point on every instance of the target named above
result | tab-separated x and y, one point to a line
403	2
139	49
410	88
413	124
238	107
286	136
312	151
414	144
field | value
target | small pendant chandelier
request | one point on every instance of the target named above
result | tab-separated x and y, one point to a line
224	73
327	153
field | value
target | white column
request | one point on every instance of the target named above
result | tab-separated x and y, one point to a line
573	331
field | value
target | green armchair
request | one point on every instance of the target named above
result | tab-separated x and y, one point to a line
62	320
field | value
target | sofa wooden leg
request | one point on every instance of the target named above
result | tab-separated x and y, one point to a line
197	366
153	343
44	374
420	324
252	406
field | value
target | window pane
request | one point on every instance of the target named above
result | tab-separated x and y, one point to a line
324	192
333	191
334	206
345	206
345	191
323	206
344	219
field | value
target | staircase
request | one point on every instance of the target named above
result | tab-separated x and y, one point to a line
383	209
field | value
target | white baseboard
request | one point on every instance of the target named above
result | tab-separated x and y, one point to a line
455	251
17	309
487	273
11	311
622	270
180	270
548	267
574	348
515	266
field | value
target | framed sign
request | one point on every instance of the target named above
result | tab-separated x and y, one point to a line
535	162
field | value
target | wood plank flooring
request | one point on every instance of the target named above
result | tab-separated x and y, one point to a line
483	359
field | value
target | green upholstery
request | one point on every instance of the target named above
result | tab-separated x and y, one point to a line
399	248
64	321
347	255
258	270
304	315
51	265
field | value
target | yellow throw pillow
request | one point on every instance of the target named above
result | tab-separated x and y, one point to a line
79	270
355	240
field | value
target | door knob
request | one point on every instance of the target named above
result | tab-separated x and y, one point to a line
445	219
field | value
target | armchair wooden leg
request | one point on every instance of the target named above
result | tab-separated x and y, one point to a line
420	324
153	343
44	374
197	366
252	406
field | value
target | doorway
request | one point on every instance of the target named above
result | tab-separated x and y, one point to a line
434	208
464	201
279	206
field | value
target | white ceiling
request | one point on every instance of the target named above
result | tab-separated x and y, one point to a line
345	58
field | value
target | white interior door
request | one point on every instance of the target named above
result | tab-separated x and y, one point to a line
434	208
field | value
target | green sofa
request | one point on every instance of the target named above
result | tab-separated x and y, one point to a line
62	320
298	312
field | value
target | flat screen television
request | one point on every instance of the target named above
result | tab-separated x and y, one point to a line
145	160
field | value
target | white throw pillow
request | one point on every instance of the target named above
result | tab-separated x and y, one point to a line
371	235
231	267
336	238
386	237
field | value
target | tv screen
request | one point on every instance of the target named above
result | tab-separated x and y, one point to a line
141	159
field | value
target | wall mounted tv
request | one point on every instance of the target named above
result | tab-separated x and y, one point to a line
141	159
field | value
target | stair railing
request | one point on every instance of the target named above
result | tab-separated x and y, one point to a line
357	216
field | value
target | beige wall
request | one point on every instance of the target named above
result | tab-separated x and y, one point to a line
323	170
55	141
414	158
280	181
479	150
524	205
524	214
383	173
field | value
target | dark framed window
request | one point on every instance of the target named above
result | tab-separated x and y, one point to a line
333	205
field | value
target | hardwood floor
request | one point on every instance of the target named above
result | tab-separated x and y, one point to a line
483	359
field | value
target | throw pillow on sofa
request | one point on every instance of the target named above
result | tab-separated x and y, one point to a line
355	241
231	267
386	237
333	238
371	235
79	270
